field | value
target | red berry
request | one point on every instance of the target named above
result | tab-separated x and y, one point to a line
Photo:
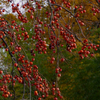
6	49
1	71
35	93
55	98
62	60
59	75
15	64
52	58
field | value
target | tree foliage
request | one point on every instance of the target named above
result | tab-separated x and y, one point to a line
44	40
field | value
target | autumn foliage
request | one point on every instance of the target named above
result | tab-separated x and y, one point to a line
44	27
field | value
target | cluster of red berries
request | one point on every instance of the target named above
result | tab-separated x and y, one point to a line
70	40
41	46
85	51
40	84
4	88
58	70
56	91
95	11
68	4
28	71
80	9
